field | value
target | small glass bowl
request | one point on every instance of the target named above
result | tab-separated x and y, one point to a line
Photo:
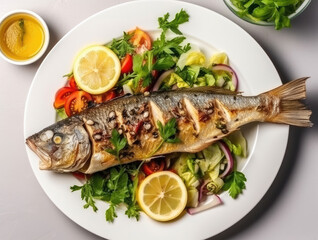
235	10
45	44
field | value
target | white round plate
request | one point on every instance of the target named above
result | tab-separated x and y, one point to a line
209	31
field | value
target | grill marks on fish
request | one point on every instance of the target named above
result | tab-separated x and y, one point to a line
203	116
138	122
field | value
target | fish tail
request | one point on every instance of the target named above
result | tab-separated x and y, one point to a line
291	110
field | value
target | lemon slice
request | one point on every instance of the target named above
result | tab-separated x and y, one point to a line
162	195
96	69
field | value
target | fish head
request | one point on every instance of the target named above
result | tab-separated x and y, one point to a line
63	147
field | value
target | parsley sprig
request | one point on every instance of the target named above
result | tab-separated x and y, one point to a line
173	25
234	183
142	67
122	46
166	50
119	143
113	186
167	133
87	194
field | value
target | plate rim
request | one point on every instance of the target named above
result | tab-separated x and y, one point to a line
284	129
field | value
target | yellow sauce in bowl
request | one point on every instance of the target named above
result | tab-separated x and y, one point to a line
22	36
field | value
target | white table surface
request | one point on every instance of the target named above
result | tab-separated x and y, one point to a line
288	210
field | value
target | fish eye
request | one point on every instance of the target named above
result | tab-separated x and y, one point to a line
57	138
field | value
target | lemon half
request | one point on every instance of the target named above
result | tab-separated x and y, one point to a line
96	69
162	195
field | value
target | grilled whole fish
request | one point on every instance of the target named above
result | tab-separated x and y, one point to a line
203	116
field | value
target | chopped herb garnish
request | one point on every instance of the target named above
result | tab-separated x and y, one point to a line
22	27
119	143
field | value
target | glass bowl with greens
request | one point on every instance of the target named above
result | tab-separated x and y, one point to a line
276	13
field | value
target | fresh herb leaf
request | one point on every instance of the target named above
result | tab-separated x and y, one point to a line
171	47
122	46
133	211
119	143
164	63
173	25
113	186
68	75
189	74
60	114
126	78
276	11
168	132
110	213
142	68
168	51
234	183
121	190
22	28
90	190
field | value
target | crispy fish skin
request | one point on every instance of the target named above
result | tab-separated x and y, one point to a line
204	115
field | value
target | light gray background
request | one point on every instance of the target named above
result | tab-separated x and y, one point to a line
288	210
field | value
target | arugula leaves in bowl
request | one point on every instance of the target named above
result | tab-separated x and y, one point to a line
268	12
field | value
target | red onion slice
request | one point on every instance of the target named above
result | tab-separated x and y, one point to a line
203	191
213	200
230	160
160	79
227	68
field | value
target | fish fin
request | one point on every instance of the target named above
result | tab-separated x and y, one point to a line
292	111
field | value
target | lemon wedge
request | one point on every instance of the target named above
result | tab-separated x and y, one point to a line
162	195
96	69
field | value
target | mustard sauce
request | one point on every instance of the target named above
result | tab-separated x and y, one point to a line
22	36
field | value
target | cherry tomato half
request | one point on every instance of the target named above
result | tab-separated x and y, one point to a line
155	165
72	83
79	175
141	40
127	64
61	95
104	97
77	102
99	98
110	95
